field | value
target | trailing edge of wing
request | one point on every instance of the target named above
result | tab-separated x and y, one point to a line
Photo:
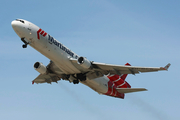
129	90
43	78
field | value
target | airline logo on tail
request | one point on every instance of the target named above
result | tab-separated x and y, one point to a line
117	81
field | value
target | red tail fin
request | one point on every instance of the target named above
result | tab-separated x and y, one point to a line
117	82
125	75
128	64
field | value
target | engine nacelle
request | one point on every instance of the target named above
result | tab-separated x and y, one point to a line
40	67
85	63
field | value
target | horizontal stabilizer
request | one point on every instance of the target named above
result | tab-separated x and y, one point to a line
129	90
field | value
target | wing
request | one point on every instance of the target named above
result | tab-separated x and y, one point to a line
53	75
46	78
98	69
122	69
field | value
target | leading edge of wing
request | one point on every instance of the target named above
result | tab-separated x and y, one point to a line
122	69
104	66
124	66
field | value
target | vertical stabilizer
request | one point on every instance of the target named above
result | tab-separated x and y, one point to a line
125	75
117	83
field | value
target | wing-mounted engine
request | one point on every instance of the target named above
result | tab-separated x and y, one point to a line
84	62
40	68
46	74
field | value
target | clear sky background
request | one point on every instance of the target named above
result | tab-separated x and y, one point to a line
143	33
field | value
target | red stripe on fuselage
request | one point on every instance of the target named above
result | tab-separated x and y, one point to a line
45	34
38	33
42	32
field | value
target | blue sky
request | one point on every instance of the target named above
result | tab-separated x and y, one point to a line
143	33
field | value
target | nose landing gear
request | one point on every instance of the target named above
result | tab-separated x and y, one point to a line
76	78
24	46
25	43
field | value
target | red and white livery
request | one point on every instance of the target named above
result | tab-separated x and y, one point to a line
64	64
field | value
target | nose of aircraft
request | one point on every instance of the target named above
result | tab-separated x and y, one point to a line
18	26
13	24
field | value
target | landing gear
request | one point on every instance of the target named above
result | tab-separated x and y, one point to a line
81	77
76	78
75	81
24	46
25	43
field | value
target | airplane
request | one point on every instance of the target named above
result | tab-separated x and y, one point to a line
106	79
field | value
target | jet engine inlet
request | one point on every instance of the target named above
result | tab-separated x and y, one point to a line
40	68
84	62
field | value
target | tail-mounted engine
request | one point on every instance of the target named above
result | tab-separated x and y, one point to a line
40	68
85	63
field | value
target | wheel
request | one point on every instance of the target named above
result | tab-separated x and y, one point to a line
81	77
24	46
75	81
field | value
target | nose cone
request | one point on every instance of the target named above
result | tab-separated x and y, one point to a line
18	27
13	24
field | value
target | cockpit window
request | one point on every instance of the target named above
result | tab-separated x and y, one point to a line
20	20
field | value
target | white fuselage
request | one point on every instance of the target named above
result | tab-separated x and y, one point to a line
56	52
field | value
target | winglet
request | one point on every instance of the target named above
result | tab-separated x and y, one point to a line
167	66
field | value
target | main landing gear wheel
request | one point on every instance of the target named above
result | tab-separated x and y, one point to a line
75	81
81	77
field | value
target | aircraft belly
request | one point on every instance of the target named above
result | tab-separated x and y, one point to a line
60	58
99	85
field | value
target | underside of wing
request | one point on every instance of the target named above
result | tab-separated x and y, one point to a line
52	74
46	78
129	90
53	68
89	70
